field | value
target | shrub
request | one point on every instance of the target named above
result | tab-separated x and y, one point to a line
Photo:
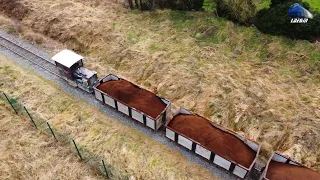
239	11
186	5
278	2
276	21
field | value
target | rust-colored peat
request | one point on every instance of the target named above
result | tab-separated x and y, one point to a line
282	171
133	96
216	140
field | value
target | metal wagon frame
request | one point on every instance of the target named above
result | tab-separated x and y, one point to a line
105	98
201	150
282	159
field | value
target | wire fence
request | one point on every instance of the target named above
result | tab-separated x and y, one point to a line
40	124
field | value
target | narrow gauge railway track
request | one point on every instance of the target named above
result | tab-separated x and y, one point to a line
34	58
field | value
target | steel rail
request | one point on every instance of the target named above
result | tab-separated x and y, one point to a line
27	58
12	42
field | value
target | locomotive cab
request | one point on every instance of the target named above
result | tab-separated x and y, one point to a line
70	66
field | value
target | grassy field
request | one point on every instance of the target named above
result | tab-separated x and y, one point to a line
262	86
29	154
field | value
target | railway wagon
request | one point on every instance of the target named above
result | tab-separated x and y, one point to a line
154	122
208	147
282	167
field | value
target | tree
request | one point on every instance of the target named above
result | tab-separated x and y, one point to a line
137	4
130	4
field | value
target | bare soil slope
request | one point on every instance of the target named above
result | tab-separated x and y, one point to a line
262	86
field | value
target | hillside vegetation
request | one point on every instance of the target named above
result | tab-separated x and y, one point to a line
262	86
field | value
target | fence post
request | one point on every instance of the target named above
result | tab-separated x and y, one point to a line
10	103
52	131
30	117
105	169
74	143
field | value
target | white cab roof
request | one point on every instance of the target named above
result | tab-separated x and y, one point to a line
67	58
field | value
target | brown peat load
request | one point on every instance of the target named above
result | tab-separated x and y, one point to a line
128	98
280	167
222	147
133	96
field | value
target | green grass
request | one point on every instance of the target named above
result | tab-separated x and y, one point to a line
315	60
314	4
181	19
264	4
209	5
133	37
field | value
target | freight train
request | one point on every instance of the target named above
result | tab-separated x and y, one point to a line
213	143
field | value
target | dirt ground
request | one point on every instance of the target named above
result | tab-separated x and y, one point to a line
264	87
